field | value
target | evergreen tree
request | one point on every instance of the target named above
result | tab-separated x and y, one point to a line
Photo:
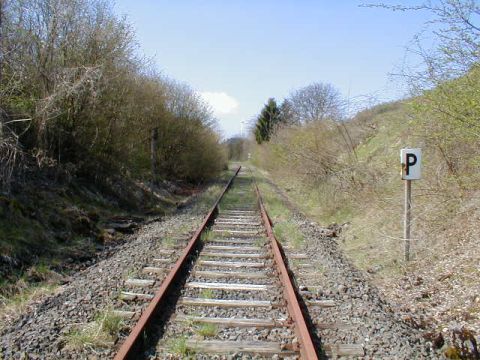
267	121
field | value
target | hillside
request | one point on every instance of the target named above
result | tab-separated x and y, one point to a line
364	195
50	228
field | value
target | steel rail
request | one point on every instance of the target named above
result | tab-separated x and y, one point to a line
134	342
307	349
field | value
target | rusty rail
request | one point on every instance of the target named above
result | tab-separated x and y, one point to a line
134	342
307	349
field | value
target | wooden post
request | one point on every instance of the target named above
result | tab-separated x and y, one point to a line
407	218
153	154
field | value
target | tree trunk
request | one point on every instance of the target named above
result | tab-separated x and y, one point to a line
1	67
1	40
153	155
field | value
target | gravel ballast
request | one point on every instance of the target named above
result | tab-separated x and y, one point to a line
360	315
43	332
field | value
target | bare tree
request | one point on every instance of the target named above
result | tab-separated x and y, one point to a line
456	28
1	46
316	102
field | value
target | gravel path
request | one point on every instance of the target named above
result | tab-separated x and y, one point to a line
42	333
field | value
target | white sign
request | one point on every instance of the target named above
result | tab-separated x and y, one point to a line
411	160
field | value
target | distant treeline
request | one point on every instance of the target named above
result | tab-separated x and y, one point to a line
75	94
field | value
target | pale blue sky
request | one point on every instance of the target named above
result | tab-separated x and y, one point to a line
241	52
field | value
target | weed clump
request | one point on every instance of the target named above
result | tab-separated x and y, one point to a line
178	346
102	332
207	330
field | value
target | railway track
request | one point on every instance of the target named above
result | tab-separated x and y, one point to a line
228	295
219	292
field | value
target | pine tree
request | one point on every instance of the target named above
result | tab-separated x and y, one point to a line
267	121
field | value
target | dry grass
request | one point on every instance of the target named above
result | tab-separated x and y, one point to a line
35	284
102	332
178	346
285	229
25	297
367	194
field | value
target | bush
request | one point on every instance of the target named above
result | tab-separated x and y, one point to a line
81	96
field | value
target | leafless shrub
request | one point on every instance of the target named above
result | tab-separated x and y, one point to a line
10	155
71	68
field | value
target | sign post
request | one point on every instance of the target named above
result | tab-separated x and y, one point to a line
411	170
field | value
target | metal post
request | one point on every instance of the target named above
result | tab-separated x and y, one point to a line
407	219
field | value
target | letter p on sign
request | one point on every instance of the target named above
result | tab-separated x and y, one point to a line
411	163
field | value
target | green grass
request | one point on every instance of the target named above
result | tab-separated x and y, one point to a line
206	199
110	323
207	330
260	242
276	208
207	294
178	346
23	287
287	232
102	332
207	235
284	229
131	273
168	241
184	228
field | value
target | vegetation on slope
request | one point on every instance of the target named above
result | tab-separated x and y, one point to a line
90	133
75	94
347	171
364	193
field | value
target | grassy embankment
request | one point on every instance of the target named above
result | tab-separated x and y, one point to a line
373	209
364	191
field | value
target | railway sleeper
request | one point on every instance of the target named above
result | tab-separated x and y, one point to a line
297	256
239	233
227	303
236	226
152	270
230	274
233	264
322	303
234	322
128	315
233	255
166	252
237	223
232	218
229	248
140	282
227	286
162	261
237	241
252	347
131	296
335	350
